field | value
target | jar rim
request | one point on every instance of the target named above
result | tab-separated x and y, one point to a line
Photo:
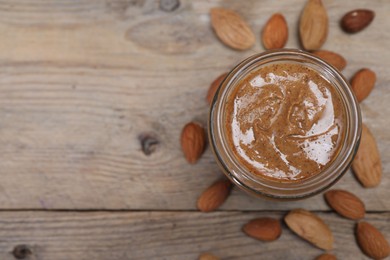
282	190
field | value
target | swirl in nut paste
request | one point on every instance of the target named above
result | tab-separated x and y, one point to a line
285	122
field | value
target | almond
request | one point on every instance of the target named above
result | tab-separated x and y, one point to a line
214	87
310	227
371	241
265	229
208	256
356	20
326	257
345	203
313	25
275	32
367	162
193	141
231	29
332	58
214	196
362	83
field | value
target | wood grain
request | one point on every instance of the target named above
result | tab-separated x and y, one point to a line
80	81
164	235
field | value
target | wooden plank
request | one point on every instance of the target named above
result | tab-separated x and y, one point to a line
164	235
80	81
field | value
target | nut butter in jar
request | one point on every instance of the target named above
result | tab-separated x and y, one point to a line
284	124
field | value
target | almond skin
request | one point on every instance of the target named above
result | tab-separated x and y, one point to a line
362	83
208	256
356	20
313	25
232	29
214	87
264	229
275	32
367	165
310	227
326	257
214	196
193	141
345	203
371	241
333	58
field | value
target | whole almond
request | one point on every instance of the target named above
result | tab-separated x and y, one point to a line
214	196
208	256
367	162
356	20
310	227
333	58
214	86
275	32
313	25
345	203
232	29
193	141
326	257
265	229
362	83
371	241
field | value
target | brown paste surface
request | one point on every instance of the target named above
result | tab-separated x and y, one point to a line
284	122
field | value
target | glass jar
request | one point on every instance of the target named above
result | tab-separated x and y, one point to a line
260	186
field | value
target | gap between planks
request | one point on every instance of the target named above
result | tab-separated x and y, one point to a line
171	211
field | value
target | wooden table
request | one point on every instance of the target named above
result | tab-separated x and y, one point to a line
93	98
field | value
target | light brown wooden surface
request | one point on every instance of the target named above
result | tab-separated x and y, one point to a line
82	81
164	235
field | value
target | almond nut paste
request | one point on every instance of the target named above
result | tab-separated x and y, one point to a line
285	122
